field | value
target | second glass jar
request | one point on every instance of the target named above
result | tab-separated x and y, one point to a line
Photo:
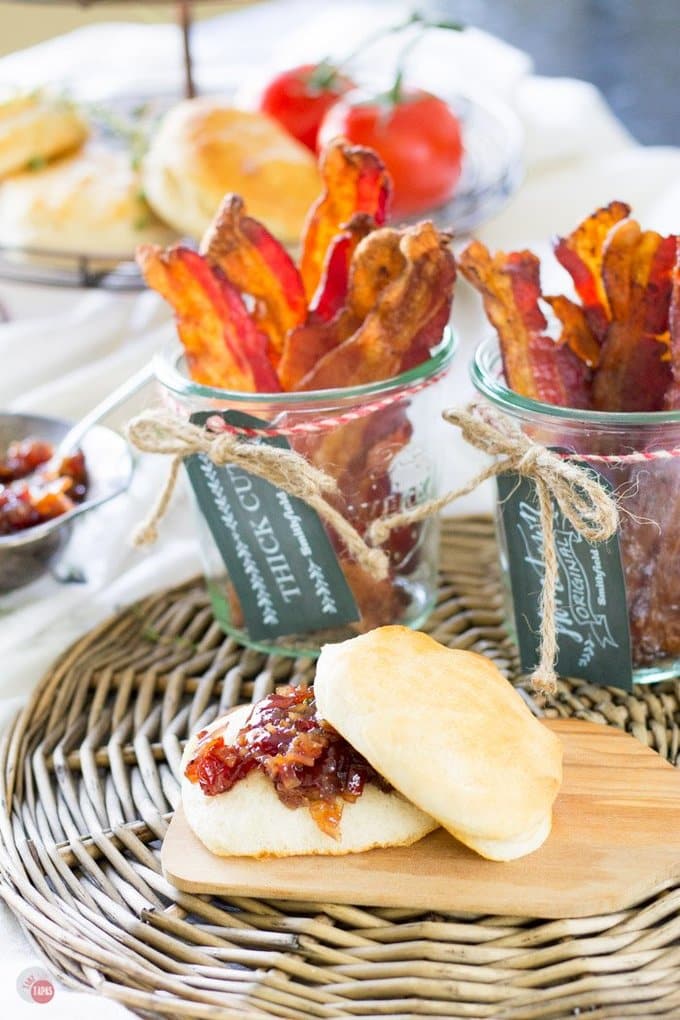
642	465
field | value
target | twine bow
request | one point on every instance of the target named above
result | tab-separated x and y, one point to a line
161	432
586	504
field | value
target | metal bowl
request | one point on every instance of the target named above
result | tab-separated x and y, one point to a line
26	555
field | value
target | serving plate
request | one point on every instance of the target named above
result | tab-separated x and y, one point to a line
491	172
615	840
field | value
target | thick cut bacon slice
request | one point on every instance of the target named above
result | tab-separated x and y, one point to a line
581	255
257	264
223	346
576	331
634	373
535	366
673	395
359	455
377	261
356	181
377	349
331	294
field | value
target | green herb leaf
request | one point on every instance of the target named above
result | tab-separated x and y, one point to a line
36	163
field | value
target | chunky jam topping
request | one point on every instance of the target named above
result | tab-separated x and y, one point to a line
29	493
309	763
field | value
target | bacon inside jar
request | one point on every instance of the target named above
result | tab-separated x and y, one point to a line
30	492
308	762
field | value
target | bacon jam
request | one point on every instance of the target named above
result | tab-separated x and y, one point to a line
29	493
308	761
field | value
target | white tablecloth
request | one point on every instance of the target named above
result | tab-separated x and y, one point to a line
63	350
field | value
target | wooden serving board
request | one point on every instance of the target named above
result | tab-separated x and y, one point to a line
615	840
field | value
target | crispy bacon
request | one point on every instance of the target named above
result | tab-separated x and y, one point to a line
403	308
627	333
257	264
535	366
223	346
374	303
581	255
360	455
673	394
379	261
376	262
634	374
576	331
356	181
331	294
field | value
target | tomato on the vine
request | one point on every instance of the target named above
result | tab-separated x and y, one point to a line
299	98
416	134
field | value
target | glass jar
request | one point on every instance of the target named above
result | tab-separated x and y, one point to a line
642	465
380	443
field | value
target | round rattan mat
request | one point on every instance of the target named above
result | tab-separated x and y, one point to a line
90	778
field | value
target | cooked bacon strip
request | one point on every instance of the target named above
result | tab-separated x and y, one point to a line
634	373
331	294
576	331
535	366
673	394
377	261
581	255
359	455
426	339
257	264
356	181
223	346
404	307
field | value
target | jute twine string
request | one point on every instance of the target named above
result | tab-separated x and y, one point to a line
161	432
586	504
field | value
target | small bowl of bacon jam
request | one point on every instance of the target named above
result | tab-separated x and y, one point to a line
40	497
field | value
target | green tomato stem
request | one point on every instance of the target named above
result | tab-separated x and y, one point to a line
327	71
324	74
396	93
415	18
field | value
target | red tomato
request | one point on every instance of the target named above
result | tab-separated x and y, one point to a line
418	139
300	97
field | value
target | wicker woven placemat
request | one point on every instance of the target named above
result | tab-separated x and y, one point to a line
90	777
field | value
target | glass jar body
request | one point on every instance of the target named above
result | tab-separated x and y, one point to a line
639	456
379	443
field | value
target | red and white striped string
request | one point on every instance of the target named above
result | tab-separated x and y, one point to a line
636	457
217	424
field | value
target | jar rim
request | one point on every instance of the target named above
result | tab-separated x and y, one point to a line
167	372
487	380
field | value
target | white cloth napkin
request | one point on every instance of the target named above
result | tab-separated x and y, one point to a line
63	350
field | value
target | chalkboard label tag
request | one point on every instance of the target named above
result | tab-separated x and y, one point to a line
278	556
593	632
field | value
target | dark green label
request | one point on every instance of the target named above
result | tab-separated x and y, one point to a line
275	548
593	633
